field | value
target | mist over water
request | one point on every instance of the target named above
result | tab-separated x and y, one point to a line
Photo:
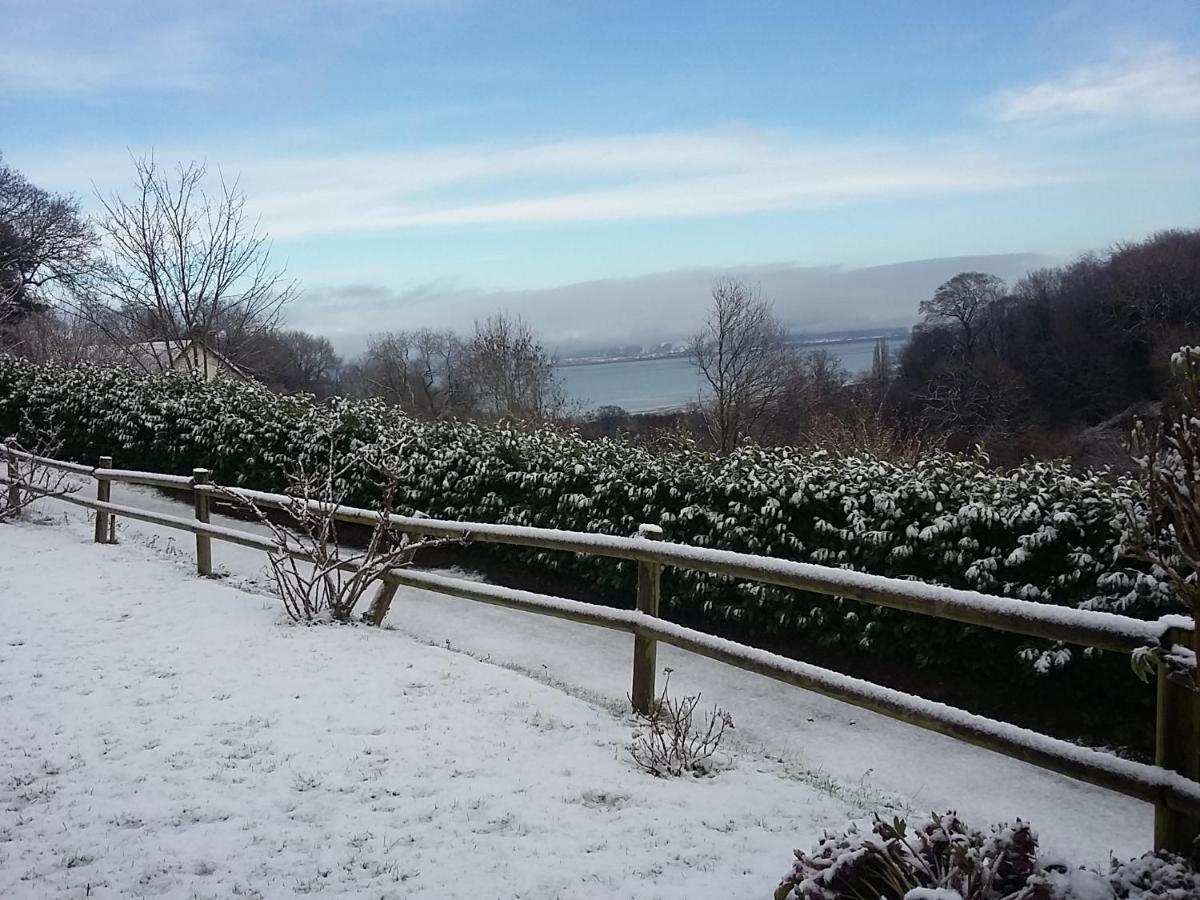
650	385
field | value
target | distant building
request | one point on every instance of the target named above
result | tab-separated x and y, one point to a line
184	356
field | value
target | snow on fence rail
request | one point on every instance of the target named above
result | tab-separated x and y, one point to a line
1171	784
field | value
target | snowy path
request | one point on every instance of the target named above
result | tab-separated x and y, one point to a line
171	737
862	757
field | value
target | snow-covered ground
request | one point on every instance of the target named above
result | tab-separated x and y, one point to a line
172	737
163	734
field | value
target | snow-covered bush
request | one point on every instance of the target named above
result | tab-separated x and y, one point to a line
1042	531
943	859
673	739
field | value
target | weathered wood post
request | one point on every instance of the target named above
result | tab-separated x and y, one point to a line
105	526
13	468
1177	747
645	650
382	602
203	541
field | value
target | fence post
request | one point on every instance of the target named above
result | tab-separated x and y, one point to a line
14	474
1177	747
203	541
645	650
382	602
105	526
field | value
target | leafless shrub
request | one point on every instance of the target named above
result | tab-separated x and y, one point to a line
672	739
860	429
317	575
1169	457
27	478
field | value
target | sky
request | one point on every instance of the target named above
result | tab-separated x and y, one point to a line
593	166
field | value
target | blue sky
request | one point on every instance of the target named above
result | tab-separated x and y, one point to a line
418	161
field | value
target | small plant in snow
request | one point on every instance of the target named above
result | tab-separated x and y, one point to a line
943	859
673	740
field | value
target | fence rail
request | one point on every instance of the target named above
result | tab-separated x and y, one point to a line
1171	785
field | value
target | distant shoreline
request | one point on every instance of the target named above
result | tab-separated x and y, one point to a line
831	340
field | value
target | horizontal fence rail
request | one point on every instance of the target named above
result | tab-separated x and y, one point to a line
1106	631
1176	796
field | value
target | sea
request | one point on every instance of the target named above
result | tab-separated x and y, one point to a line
666	383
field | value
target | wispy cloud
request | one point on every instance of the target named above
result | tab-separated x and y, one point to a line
87	49
618	178
1156	82
653	176
117	48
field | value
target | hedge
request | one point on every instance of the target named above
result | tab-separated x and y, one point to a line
1042	531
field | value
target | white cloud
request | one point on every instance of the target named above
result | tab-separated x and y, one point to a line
1156	83
653	176
616	178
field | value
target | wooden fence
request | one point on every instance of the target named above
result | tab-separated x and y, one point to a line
1172	784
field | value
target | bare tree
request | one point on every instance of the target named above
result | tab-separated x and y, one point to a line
960	304
508	372
47	248
295	360
184	264
742	355
438	361
419	371
883	370
386	368
813	389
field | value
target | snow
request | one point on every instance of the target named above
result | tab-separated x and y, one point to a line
1145	780
172	736
865	759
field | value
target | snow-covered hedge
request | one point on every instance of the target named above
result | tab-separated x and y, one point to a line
943	859
1041	532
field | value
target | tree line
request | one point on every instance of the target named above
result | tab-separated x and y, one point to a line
1060	364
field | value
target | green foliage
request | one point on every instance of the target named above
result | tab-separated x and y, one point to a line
1040	532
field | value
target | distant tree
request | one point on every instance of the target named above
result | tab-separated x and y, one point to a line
183	263
420	371
960	304
813	388
386	368
298	361
438	361
507	371
883	369
742	355
47	248
609	420
57	335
